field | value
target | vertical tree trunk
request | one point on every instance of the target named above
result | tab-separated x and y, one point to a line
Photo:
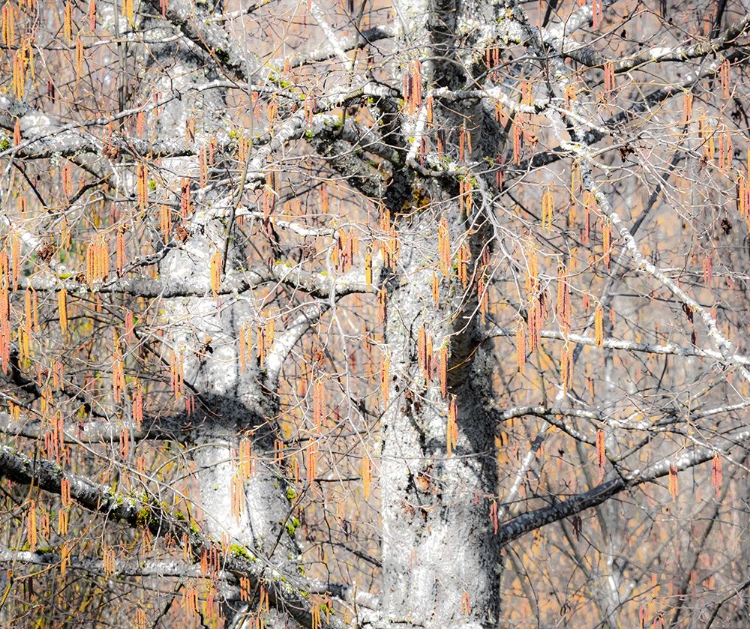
439	551
230	404
440	554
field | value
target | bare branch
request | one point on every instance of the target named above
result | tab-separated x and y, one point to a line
128	568
351	42
314	284
533	520
195	23
632	346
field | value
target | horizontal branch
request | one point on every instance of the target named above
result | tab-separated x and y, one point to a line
314	284
50	557
680	53
633	346
97	430
128	568
347	593
551	415
589	57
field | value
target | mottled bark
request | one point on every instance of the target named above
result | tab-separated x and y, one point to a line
440	553
230	403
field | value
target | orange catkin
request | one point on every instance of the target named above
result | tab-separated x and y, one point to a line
62	306
716	474
451	430
520	344
601	454
599	326
674	489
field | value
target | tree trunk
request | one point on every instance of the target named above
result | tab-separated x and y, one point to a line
230	403
440	554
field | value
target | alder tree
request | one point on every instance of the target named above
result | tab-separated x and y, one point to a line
380	314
